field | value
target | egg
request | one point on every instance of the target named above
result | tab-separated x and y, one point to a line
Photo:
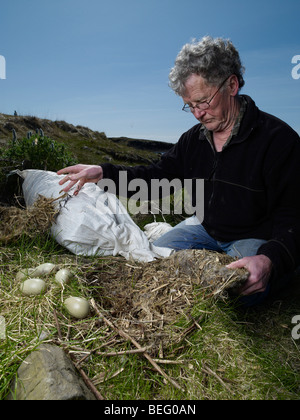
24	274
33	287
44	270
77	307
63	276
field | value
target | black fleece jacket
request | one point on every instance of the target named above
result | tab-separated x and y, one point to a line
252	187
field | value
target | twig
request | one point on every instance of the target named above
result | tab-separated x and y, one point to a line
121	353
136	344
196	322
160	287
186	332
207	370
132	266
57	325
89	383
112	353
191	328
170	362
102	378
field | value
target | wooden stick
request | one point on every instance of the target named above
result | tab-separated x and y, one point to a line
121	353
136	344
89	383
170	362
207	370
57	325
112	353
188	330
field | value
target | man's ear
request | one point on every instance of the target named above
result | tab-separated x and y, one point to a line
233	85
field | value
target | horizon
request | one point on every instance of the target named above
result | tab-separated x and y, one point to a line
105	66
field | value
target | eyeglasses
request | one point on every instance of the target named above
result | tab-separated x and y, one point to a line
205	104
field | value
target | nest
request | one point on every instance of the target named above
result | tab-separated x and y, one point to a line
16	222
145	299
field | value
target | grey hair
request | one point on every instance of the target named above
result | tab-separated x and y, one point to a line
212	58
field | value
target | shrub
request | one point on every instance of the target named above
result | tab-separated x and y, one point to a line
40	152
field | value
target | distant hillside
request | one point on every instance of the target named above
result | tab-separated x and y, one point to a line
86	145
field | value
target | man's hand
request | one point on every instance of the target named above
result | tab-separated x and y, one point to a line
260	268
80	174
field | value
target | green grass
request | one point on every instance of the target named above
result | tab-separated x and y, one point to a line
233	354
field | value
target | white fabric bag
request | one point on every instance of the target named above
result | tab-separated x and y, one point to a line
93	222
155	230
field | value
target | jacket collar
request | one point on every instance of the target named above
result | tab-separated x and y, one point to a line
249	122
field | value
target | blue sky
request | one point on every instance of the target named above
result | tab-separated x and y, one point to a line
105	64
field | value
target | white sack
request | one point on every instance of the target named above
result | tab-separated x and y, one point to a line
155	230
93	222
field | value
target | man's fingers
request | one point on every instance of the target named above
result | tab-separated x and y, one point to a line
69	170
69	186
64	180
237	264
250	288
72	178
81	174
79	186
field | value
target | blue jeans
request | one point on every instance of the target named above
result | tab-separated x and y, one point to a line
190	234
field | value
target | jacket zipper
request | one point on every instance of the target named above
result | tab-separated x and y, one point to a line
212	177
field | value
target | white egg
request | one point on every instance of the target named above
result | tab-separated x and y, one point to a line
33	287
44	270
24	274
77	307
63	276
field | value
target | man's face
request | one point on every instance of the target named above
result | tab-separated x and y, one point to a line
216	117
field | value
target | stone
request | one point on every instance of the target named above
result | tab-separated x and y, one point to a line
48	374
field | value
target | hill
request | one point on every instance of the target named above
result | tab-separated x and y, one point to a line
86	145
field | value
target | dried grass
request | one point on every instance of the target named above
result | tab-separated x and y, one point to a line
16	222
145	299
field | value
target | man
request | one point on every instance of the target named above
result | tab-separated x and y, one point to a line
248	159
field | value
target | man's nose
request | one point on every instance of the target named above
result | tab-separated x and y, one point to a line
199	113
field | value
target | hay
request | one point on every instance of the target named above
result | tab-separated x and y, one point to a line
35	220
145	299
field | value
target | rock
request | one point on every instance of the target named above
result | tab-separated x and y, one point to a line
49	374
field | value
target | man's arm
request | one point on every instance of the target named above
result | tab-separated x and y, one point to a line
170	166
281	253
